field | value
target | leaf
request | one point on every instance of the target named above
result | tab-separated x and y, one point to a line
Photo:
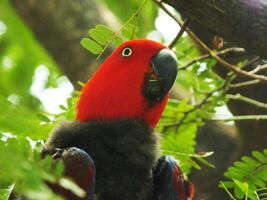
182	144
249	174
105	30
242	185
101	34
205	162
129	30
91	46
43	117
118	40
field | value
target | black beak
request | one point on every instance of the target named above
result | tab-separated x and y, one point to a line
165	67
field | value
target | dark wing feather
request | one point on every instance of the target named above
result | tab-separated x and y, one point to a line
169	183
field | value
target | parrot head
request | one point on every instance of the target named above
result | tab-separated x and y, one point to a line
132	83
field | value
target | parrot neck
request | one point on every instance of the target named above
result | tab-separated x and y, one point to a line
106	102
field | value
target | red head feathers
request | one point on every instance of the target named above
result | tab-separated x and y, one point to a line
133	83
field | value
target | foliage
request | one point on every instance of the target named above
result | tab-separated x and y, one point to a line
25	124
102	36
179	139
26	168
20	55
130	6
23	121
248	177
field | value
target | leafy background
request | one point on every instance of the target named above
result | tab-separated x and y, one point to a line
25	120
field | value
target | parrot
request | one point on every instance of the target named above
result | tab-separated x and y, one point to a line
111	149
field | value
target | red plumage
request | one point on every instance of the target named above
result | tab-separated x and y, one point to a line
115	90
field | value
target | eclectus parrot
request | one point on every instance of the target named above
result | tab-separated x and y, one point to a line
111	150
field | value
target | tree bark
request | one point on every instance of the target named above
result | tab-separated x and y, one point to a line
60	25
244	23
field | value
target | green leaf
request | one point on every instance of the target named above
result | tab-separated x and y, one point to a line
205	162
105	30
259	156
182	145
129	31
91	46
43	117
101	34
242	185
118	40
249	174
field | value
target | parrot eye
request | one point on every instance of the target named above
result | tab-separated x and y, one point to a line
126	52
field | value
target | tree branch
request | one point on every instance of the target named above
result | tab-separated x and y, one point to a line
241	118
247	100
245	84
203	57
180	33
242	23
204	47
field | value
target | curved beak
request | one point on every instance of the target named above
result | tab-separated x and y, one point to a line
165	68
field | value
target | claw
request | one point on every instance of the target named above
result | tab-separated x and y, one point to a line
58	154
79	166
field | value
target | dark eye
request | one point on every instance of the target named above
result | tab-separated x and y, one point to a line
126	52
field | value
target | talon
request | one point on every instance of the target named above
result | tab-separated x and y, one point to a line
59	150
58	153
46	152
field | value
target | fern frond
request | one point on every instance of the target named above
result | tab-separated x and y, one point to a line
101	36
251	172
179	140
262	193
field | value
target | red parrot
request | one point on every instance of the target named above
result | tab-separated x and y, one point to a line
116	113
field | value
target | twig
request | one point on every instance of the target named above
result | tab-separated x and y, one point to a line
247	100
222	52
196	155
136	13
204	47
258	68
253	60
227	191
241	118
180	33
223	88
245	83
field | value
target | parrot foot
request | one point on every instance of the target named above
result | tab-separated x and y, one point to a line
169	182
79	166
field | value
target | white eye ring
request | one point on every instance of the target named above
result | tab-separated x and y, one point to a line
126	52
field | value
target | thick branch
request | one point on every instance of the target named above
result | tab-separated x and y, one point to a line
243	23
205	48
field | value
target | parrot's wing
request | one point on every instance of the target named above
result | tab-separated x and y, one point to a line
169	183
